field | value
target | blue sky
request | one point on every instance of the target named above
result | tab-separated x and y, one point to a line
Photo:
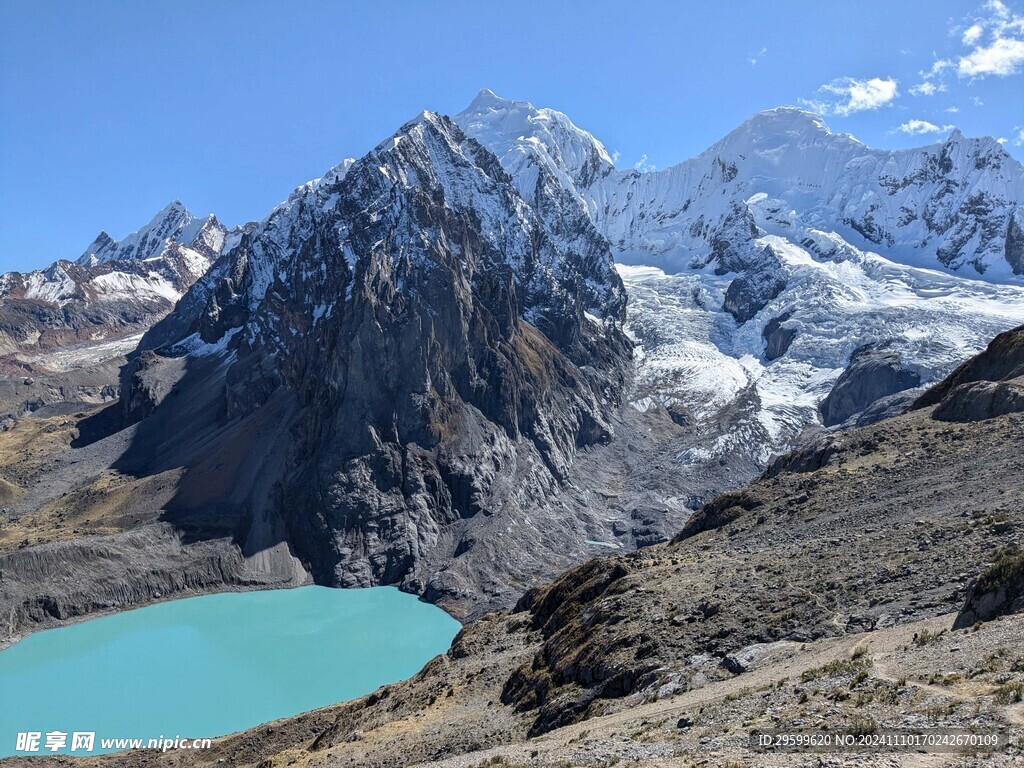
109	110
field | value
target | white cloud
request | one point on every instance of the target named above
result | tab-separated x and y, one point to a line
927	88
921	127
952	110
977	101
998	8
996	42
1002	140
1004	56
753	58
644	165
972	34
854	95
1018	140
938	67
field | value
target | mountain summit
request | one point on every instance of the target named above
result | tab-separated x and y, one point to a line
954	205
173	225
431	349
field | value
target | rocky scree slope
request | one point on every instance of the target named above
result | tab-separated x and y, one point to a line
441	347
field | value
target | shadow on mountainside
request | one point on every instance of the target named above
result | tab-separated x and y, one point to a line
178	420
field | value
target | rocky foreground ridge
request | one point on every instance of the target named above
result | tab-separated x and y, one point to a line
826	592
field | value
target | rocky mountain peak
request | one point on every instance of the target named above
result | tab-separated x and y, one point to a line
173	223
442	347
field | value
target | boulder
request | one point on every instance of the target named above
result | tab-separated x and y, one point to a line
874	372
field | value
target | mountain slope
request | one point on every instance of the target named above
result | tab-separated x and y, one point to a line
438	352
824	593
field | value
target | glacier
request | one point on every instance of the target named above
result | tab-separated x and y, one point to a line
911	249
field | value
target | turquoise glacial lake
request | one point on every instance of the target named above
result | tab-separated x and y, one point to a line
209	666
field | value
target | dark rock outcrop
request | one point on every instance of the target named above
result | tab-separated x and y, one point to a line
999	591
886	407
751	291
777	336
874	372
144	392
981	400
1002	360
718	513
1015	245
986	386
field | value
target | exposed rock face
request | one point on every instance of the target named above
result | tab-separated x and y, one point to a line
449	347
999	591
1015	244
778	336
1002	360
886	407
749	293
874	372
144	392
988	385
981	400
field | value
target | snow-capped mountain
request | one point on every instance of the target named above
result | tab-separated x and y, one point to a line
958	204
115	290
450	299
757	269
432	351
410	371
173	225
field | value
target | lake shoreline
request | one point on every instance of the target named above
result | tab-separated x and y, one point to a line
65	583
236	659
